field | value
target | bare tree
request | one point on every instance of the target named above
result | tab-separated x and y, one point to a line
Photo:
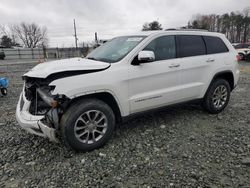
31	35
8	31
3	30
246	26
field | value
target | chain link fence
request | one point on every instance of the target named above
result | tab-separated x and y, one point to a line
44	53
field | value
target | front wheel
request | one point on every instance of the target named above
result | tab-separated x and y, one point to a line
217	96
4	91
87	124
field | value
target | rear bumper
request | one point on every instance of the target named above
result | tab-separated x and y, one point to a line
31	123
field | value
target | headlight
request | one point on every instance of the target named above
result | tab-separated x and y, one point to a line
48	99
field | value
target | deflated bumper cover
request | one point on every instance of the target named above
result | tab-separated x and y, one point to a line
31	123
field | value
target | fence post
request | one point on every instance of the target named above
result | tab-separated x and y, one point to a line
44	53
19	54
32	53
57	53
39	54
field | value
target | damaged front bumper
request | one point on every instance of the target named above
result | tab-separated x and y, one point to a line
33	123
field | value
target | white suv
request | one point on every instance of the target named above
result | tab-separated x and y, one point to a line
80	100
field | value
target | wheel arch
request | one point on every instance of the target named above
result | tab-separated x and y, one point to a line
107	98
227	75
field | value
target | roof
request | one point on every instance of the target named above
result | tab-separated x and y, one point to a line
179	31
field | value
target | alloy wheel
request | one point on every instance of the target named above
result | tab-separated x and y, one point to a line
91	126
220	96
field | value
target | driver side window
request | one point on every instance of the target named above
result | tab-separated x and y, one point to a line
163	47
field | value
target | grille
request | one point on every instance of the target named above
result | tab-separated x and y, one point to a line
28	93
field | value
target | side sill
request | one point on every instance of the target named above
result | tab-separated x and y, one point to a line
135	115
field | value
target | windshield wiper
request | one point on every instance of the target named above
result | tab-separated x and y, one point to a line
92	58
102	59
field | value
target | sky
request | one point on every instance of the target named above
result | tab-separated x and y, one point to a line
109	18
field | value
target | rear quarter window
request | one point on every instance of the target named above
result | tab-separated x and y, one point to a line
215	45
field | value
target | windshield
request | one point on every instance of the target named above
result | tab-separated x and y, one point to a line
116	49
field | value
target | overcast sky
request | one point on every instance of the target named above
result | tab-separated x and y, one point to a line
107	17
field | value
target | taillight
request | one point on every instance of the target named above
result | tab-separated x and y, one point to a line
238	58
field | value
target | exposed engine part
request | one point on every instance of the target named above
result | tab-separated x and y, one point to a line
47	98
53	118
38	92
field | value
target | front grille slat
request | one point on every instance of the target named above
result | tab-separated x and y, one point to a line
28	93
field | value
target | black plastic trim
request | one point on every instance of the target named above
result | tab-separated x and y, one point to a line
218	74
158	109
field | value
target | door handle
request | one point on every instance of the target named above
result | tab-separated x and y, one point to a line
174	65
210	60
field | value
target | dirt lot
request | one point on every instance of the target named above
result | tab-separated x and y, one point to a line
181	146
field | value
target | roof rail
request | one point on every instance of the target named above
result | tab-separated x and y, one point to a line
184	29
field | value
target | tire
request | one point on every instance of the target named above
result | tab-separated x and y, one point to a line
217	96
242	56
82	134
4	91
247	58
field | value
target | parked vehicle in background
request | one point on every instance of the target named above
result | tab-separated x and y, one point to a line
82	99
2	55
235	44
243	50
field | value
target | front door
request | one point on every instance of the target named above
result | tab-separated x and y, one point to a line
155	84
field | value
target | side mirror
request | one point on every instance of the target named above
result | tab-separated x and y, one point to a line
146	56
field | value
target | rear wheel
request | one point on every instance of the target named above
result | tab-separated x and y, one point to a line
4	91
87	124
217	96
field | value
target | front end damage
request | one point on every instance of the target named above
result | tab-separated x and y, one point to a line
38	111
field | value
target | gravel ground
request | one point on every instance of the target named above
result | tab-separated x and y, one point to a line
181	146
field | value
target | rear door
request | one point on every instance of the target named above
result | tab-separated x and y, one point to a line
194	65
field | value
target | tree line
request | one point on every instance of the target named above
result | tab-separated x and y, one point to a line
235	25
29	35
154	25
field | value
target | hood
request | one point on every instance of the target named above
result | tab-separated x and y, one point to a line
43	70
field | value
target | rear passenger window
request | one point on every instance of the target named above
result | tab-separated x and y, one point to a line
190	45
215	45
163	47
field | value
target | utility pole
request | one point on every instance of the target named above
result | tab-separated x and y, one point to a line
75	33
96	38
